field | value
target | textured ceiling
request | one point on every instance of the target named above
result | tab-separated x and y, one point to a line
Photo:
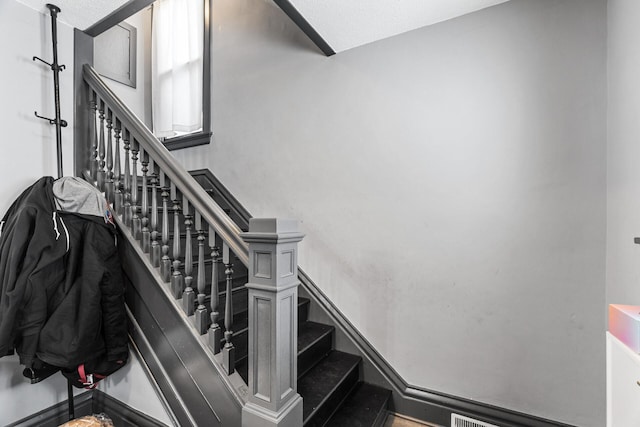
77	13
343	24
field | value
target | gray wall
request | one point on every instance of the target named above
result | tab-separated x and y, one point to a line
27	152
623	185
28	147
451	182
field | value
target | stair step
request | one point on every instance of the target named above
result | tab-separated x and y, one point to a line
365	407
240	323
315	341
326	385
241	343
303	309
240	298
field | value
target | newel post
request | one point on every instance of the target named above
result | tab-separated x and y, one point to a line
273	324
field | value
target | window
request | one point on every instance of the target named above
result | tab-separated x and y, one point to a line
180	72
189	131
176	70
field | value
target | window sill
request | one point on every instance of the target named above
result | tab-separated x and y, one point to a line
186	141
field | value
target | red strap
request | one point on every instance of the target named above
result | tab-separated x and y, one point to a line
81	373
87	382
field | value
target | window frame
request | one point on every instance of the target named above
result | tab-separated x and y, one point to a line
132	7
203	136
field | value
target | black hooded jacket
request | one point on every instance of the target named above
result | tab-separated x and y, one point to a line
62	294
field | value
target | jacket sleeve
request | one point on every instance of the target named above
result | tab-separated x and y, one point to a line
114	318
14	242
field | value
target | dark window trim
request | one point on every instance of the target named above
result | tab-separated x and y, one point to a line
188	140
134	6
206	68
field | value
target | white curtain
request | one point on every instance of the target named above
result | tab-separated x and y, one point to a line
176	66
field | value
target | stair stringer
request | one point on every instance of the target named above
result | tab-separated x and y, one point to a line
189	376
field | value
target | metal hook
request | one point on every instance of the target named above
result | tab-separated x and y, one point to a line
51	121
63	123
43	61
52	66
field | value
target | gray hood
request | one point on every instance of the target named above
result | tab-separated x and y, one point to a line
75	195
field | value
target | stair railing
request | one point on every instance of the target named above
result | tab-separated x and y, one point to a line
150	193
151	196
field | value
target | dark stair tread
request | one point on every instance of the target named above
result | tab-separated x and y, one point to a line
240	327
242	367
317	385
303	309
241	314
365	407
222	293
310	332
303	300
240	323
315	341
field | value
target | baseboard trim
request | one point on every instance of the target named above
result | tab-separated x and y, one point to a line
88	403
121	413
58	414
150	364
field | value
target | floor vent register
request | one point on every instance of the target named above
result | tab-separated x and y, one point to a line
462	421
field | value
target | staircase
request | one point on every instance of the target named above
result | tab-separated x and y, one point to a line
180	295
200	383
328	380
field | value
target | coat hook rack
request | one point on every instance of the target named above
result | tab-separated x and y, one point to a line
56	68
